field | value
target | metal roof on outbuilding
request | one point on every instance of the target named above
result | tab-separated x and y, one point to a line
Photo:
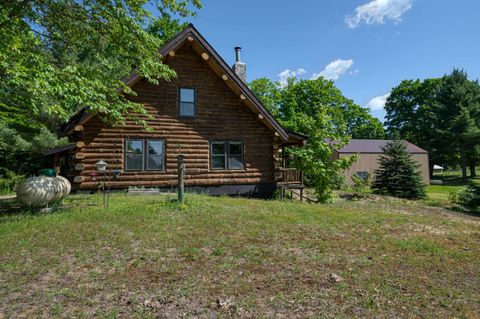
375	146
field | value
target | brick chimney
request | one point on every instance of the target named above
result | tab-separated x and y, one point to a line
239	67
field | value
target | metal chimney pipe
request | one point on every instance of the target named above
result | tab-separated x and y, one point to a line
237	54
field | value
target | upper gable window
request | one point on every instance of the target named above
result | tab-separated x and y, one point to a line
187	102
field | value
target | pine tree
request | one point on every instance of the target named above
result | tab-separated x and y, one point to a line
458	107
398	174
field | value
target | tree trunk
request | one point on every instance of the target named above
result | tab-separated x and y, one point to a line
464	162
473	172
430	169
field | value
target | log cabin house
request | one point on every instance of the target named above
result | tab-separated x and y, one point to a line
230	142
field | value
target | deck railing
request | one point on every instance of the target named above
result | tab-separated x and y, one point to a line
291	176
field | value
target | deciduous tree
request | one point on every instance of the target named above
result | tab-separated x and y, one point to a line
313	97
412	115
440	115
57	56
317	109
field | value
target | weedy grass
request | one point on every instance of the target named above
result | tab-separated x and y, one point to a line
147	256
439	195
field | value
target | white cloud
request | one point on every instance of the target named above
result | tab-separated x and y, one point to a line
334	69
377	11
354	72
378	103
286	74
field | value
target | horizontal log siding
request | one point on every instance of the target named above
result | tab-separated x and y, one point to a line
221	115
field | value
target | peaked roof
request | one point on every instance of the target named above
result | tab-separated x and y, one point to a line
201	46
375	146
59	149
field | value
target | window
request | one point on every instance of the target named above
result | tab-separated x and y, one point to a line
187	102
144	154
134	155
154	155
218	155
226	155
362	174
235	155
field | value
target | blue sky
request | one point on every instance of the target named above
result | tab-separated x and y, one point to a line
366	46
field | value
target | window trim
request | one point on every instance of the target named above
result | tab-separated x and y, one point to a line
227	155
194	102
145	155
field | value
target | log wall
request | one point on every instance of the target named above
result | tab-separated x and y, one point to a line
221	115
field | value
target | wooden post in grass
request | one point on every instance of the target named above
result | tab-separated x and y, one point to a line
181	178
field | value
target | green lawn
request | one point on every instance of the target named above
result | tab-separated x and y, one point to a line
222	257
452	183
439	194
453	177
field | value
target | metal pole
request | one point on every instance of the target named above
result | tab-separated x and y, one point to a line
108	189
181	178
104	194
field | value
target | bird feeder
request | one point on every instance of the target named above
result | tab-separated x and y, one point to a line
116	173
101	166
